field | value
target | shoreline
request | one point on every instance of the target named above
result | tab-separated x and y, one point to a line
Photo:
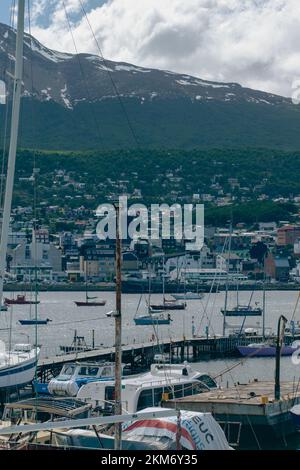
140	288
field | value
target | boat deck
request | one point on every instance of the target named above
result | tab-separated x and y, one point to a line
255	398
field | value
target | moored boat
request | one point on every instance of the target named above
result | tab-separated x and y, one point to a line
88	303
243	311
168	305
265	350
73	376
188	296
37	321
153	319
17	367
20	300
150	389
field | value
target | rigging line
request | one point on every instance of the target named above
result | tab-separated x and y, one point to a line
216	277
83	77
35	195
111	77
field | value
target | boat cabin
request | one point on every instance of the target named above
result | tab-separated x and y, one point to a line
74	375
163	382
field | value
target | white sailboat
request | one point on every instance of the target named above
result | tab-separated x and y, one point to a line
17	367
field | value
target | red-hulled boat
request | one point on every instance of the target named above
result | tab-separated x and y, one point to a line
20	300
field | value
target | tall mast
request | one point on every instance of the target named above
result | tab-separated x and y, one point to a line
227	281
118	333
13	142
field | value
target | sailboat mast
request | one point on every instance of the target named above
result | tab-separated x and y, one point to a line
13	142
118	333
227	281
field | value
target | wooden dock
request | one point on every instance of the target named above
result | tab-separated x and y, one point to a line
252	406
179	349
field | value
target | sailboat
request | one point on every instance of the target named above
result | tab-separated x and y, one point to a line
152	317
17	367
168	304
89	301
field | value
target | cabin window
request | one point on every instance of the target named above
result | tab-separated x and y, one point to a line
208	381
68	371
178	391
146	399
88	371
106	372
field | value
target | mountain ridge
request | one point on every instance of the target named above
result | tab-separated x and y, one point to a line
77	92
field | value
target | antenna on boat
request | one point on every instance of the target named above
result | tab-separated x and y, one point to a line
13	142
118	331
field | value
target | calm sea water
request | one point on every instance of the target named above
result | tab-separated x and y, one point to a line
66	317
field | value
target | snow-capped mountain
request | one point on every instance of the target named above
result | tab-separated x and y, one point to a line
71	103
68	79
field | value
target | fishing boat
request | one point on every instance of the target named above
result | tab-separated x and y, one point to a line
265	350
149	389
20	300
188	296
73	376
243	311
37	321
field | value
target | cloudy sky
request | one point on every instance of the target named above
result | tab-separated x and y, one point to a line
253	42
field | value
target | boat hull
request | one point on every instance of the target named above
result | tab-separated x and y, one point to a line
152	321
268	351
34	322
21	302
17	375
188	296
241	313
168	307
90	304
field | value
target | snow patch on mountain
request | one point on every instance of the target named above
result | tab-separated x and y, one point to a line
65	98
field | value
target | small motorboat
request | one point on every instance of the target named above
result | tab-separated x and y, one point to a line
265	350
20	300
36	321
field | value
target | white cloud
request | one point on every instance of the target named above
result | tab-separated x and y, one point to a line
253	42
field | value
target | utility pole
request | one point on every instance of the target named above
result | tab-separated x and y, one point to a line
118	332
280	337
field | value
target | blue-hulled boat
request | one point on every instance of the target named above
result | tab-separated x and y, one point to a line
153	320
37	321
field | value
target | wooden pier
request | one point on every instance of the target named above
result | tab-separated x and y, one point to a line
142	354
260	420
